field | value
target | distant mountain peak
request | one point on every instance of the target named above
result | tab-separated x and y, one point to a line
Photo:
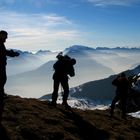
77	48
118	48
81	48
43	51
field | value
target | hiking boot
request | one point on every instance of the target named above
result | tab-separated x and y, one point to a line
124	117
111	112
65	104
52	103
5	95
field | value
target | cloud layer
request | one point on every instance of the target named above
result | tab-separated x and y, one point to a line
57	24
113	2
37	30
44	3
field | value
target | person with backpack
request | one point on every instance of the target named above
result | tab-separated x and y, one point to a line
64	67
122	87
3	61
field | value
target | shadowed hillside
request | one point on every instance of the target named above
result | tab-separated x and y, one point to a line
100	89
31	119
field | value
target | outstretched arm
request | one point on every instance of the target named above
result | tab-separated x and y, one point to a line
11	53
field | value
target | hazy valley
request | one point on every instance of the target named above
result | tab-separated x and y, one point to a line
30	75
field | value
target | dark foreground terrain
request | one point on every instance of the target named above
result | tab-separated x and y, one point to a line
31	119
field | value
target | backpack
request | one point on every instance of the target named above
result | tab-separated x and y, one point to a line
69	65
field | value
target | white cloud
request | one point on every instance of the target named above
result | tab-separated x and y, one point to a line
54	19
38	31
113	2
44	3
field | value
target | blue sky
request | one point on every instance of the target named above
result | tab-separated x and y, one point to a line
58	24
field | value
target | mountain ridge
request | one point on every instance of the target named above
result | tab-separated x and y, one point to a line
34	71
101	89
75	47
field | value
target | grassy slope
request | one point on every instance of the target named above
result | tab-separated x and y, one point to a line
31	119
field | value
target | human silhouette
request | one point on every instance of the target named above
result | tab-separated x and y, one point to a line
122	86
136	83
134	94
63	69
3	61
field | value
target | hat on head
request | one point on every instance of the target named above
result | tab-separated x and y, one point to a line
3	32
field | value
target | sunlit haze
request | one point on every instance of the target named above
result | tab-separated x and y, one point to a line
56	24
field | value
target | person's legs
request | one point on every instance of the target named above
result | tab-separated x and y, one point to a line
1	107
3	79
123	106
65	86
55	91
115	100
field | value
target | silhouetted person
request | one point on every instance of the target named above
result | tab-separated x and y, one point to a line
136	84
63	67
122	87
3	61
134	95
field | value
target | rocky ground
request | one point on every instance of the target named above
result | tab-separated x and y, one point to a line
32	119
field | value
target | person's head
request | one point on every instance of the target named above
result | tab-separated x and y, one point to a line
123	74
73	61
3	36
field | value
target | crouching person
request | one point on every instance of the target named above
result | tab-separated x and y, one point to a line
122	87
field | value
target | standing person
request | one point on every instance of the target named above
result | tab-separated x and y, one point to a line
3	61
122	84
63	67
